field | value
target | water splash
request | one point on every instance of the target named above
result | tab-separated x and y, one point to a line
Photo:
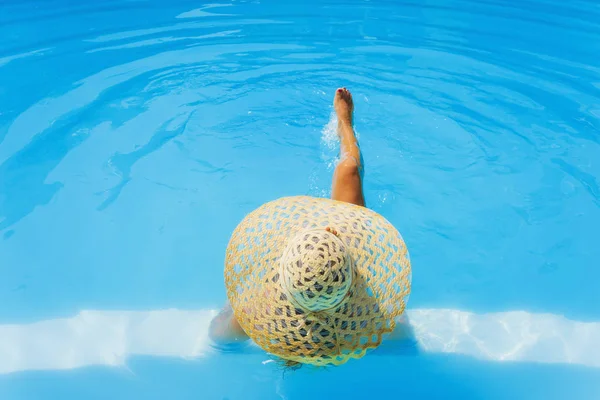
329	136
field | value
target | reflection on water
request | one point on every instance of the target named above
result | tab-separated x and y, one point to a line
110	337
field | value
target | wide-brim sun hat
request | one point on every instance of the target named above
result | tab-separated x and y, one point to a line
316	281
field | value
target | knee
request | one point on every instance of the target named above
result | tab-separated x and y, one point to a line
348	169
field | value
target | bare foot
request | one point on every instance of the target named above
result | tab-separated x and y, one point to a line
343	105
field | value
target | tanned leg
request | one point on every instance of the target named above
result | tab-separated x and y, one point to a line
347	182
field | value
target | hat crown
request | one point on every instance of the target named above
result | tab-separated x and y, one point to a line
316	270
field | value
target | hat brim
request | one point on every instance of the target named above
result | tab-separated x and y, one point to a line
379	293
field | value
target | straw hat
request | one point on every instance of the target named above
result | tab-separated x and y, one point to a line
307	294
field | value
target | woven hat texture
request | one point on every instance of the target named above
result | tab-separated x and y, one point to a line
306	294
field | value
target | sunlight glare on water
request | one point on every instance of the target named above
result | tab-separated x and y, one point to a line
136	134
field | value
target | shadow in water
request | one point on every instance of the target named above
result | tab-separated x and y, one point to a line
124	162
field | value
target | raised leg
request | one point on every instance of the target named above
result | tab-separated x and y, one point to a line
347	180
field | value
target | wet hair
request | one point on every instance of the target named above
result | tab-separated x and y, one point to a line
288	365
292	366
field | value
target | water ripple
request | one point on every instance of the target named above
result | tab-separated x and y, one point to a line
479	122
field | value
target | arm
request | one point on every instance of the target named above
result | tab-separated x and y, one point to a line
403	329
224	328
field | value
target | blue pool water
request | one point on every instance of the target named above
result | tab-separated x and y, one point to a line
135	134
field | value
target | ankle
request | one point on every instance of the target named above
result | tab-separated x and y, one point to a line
345	123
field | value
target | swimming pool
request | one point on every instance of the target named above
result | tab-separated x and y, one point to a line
134	135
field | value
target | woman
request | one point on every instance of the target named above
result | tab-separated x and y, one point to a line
316	281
